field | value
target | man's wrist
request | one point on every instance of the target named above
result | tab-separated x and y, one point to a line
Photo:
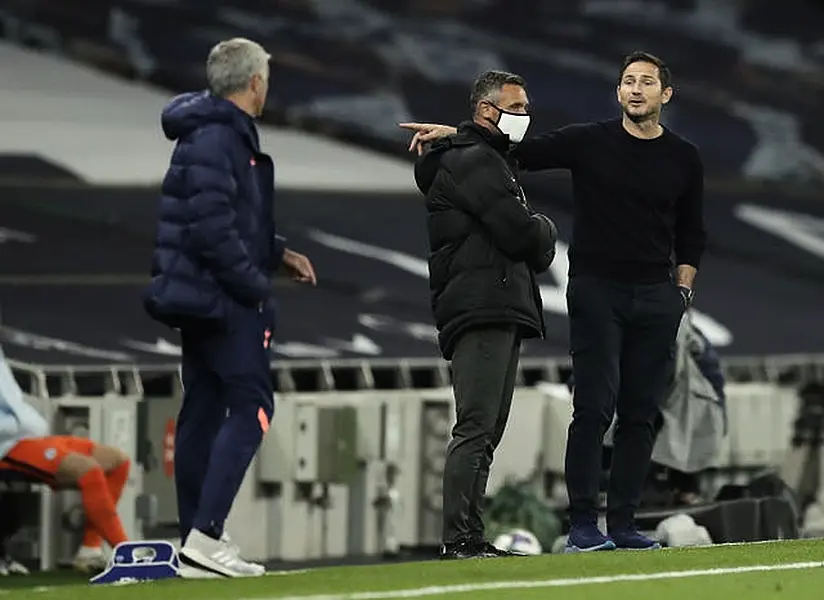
686	293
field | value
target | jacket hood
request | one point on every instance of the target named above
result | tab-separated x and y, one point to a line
469	134
188	112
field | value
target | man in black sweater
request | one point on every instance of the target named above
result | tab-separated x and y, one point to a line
637	241
486	245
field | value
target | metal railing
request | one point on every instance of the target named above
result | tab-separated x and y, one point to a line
376	374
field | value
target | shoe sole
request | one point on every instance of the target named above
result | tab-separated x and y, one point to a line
655	546
605	547
195	565
187	572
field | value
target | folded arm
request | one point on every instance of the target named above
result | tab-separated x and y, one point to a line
491	195
543	259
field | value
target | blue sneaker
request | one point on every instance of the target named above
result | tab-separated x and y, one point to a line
587	538
631	539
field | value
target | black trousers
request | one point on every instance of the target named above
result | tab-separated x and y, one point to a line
484	367
622	341
11	515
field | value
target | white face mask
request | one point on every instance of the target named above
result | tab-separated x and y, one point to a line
513	125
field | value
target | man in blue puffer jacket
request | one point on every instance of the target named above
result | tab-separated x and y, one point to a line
215	249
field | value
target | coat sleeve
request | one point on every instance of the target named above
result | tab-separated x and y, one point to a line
212	228
277	250
488	192
542	260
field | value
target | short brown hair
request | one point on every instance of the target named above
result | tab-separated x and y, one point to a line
489	83
663	70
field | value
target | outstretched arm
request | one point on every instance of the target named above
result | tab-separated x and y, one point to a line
426	133
557	149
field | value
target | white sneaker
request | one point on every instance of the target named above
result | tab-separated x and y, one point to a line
90	560
227	541
15	568
205	558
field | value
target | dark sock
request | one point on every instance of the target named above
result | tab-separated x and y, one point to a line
213	532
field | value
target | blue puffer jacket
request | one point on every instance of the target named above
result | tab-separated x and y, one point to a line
215	244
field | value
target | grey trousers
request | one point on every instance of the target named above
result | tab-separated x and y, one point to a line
484	367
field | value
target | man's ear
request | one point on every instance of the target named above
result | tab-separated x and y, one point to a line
255	82
485	110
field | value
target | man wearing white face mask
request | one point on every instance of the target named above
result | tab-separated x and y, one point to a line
486	245
638	239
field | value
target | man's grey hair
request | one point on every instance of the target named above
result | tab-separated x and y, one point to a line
487	87
233	63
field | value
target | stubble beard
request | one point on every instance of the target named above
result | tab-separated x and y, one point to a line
638	119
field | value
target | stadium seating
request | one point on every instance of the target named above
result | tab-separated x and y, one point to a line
410	60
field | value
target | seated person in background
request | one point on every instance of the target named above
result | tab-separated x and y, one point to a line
99	472
9	525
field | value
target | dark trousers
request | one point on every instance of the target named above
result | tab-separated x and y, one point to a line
622	341
484	367
11	516
228	404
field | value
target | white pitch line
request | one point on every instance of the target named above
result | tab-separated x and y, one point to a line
511	585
